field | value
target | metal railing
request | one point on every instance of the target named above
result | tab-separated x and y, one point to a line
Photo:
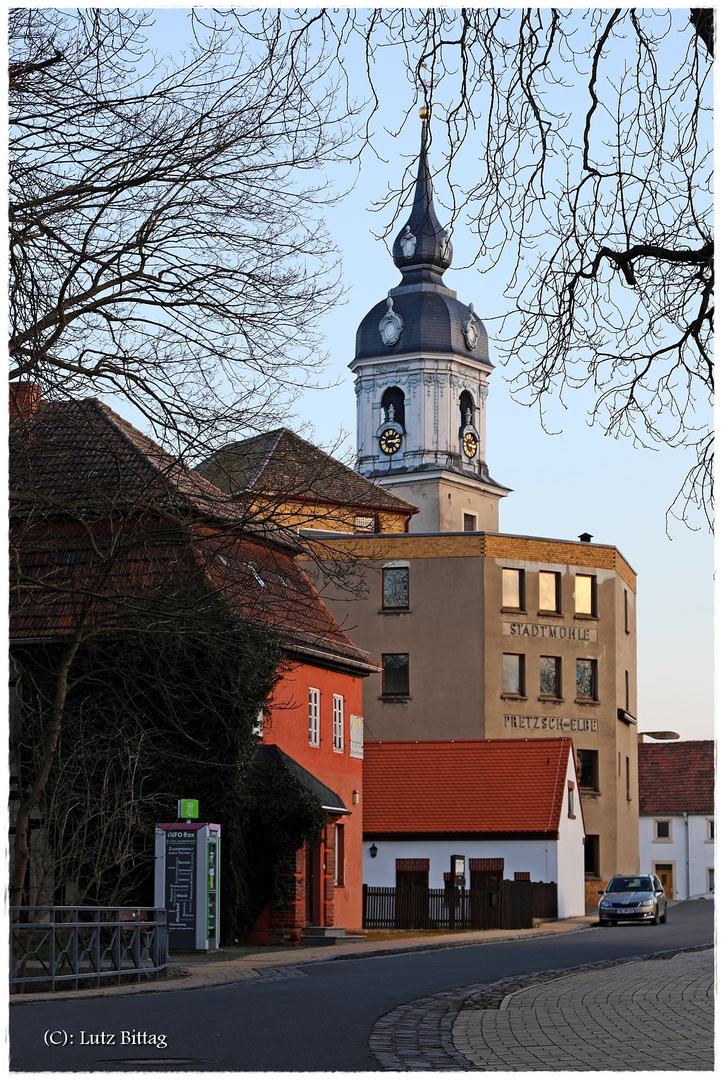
54	948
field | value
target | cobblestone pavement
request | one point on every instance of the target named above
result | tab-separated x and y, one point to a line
652	1013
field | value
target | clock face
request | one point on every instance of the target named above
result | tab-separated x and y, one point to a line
469	444
390	441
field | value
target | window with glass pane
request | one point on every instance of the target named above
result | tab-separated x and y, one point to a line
338	854
550	676
513	673
365	524
586	679
314	696
338	722
662	830
513	589
549	591
395	586
395	674
587	774
585	595
592	856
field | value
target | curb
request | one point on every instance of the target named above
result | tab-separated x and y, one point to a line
193	981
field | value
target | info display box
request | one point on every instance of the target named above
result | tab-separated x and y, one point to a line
188	859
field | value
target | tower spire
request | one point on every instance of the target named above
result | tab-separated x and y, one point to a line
423	250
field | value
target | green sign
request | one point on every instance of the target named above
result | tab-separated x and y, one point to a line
188	808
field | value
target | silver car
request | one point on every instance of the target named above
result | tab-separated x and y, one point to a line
633	898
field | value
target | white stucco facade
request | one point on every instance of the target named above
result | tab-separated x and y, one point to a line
688	850
561	860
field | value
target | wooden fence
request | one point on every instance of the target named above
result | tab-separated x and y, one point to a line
512	905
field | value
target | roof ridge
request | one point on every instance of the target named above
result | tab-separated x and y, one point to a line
500	740
155	450
267	457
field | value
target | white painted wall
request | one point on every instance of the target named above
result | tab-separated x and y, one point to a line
689	850
571	853
536	856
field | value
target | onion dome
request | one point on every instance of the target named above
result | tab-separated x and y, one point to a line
421	314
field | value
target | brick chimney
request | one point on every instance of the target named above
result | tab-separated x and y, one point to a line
24	399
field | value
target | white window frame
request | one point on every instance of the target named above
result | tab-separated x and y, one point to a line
338	723
314	712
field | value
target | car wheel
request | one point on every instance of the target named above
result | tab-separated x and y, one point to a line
604	922
656	919
664	916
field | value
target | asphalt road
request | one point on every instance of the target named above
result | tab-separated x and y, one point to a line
317	1017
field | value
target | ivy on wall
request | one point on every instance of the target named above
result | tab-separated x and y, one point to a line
166	709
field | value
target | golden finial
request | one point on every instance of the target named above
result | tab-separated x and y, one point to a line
424	113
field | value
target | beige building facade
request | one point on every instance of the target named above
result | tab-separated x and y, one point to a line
478	634
481	635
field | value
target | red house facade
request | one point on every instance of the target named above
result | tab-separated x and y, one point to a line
315	719
90	472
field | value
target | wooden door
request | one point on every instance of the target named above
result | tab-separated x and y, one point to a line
665	873
313	885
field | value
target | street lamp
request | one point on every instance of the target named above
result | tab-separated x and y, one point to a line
663	736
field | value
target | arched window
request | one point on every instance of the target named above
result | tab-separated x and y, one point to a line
393	397
466	409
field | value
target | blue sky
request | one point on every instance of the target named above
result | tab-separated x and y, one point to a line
565	484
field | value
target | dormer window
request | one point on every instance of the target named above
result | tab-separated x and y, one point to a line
393	406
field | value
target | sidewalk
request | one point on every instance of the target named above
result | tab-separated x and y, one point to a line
642	1015
190	971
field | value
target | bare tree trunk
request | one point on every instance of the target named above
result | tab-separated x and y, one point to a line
21	848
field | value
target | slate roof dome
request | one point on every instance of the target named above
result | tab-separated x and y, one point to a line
429	316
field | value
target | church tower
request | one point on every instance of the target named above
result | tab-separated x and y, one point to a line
421	367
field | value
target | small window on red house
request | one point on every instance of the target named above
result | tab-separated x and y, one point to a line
338	854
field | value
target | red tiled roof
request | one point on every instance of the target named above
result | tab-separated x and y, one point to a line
465	787
281	462
58	568
80	456
676	777
82	477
